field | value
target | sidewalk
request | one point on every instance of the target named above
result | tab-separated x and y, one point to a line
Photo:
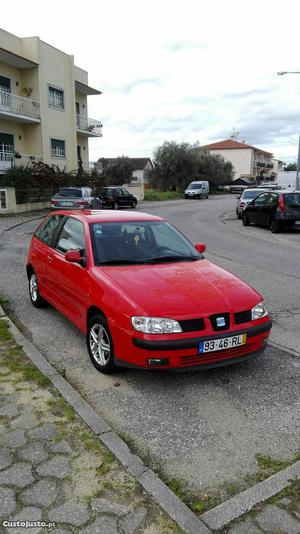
53	469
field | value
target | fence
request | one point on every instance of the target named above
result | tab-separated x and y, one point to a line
22	200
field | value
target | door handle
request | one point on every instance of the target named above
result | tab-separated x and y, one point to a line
50	259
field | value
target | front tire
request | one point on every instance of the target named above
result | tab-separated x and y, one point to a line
133	205
245	219
36	300
115	206
100	344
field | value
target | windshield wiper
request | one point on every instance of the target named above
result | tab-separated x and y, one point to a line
162	259
121	262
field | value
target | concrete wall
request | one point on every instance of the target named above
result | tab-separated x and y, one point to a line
13	207
136	189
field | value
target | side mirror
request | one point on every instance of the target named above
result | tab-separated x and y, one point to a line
74	256
238	196
201	247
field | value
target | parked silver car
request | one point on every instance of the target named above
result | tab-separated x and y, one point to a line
75	198
246	197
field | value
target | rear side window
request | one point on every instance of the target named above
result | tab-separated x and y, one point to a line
292	199
45	232
71	236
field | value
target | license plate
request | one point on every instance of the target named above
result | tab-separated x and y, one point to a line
67	203
223	343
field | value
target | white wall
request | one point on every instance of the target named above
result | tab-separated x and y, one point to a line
239	157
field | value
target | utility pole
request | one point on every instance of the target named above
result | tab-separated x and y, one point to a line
298	167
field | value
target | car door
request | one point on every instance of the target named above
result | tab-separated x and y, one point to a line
127	197
40	249
255	208
270	208
69	281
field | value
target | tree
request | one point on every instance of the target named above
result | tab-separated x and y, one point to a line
290	167
118	171
178	164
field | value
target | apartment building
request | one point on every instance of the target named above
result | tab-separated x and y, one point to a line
247	160
43	105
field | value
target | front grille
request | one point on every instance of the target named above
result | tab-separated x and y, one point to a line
211	357
242	317
220	316
192	325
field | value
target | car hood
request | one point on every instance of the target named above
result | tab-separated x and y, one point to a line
180	289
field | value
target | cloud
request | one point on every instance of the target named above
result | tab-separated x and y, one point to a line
130	87
175	46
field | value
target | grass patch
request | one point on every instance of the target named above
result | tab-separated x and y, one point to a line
5	334
89	441
61	408
197	503
269	466
155	194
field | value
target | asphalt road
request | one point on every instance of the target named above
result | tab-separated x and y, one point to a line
205	427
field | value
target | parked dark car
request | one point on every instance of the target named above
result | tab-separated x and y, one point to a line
75	198
115	197
275	209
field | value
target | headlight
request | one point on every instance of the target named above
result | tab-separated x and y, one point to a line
258	311
155	325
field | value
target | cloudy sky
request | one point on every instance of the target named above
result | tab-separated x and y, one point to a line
179	70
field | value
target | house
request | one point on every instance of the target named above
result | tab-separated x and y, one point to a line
140	165
247	160
43	105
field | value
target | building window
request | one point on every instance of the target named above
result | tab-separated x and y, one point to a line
58	149
56	98
3	200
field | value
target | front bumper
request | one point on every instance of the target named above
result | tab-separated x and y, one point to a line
183	352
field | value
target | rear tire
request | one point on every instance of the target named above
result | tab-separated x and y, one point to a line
115	206
36	300
274	226
245	219
100	344
133	205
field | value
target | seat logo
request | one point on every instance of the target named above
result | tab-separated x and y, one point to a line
220	321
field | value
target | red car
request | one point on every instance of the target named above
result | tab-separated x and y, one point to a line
142	293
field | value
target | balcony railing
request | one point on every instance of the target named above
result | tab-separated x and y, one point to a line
9	158
18	105
90	126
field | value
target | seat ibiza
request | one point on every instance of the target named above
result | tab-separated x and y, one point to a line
142	293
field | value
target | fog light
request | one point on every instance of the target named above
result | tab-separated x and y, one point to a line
158	361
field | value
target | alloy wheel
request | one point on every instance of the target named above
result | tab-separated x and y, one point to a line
99	344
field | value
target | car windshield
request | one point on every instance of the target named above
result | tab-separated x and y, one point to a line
69	193
195	186
121	243
248	195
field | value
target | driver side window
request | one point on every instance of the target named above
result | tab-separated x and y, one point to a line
261	200
71	237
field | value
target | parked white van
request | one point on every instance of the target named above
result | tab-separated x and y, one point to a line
197	190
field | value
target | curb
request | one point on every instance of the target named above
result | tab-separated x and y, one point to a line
160	492
284	349
23	222
226	512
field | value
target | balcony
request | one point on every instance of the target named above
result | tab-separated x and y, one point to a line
88	127
19	109
9	158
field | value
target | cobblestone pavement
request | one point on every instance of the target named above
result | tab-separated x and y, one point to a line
53	470
280	516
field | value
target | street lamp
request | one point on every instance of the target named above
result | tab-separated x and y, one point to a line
281	73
